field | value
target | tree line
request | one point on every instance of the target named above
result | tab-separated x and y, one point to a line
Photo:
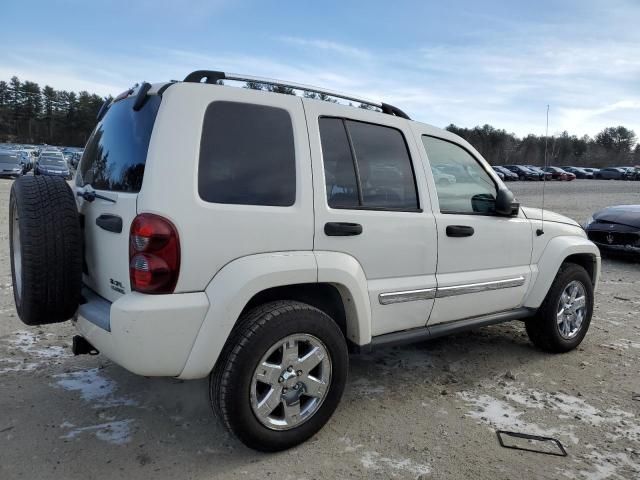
613	146
30	114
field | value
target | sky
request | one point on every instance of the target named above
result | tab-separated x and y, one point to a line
462	62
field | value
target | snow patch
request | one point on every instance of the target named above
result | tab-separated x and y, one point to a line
116	432
503	416
27	344
374	461
609	466
93	388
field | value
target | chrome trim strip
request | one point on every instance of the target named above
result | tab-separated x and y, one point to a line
407	296
451	291
389	298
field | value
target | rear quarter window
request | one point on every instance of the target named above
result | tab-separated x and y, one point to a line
247	155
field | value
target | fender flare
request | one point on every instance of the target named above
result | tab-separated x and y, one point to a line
555	253
240	280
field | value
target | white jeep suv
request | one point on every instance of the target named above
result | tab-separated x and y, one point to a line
257	238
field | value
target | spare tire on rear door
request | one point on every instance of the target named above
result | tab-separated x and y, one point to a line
45	248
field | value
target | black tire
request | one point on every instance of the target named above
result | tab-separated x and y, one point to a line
50	250
257	331
543	329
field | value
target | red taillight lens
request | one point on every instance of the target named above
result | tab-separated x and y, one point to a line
154	254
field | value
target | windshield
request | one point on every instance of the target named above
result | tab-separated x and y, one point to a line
116	153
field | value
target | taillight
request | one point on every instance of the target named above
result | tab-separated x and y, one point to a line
154	254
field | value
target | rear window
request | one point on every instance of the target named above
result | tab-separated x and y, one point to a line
116	152
247	155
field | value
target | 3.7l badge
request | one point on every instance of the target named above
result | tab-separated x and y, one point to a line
116	285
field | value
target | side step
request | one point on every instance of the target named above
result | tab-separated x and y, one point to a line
81	346
440	330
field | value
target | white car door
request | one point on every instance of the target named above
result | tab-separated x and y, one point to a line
483	258
371	202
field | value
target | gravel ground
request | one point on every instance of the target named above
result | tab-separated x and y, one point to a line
424	411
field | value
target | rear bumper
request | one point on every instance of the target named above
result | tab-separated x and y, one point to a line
150	335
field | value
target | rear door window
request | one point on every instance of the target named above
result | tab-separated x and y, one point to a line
116	153
366	166
247	155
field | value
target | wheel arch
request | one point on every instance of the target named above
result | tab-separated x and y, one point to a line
561	250
330	281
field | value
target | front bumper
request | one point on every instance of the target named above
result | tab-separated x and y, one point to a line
150	335
619	248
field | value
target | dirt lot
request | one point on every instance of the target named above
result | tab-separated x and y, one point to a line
423	411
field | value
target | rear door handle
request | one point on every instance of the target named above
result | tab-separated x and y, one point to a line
342	229
110	223
459	231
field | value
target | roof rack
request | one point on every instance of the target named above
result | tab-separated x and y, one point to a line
213	76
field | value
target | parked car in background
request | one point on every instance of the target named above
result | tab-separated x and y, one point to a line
610	173
579	172
632	173
616	229
559	174
442	178
541	173
509	176
51	164
591	170
11	164
523	173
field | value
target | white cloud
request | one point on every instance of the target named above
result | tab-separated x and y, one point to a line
504	76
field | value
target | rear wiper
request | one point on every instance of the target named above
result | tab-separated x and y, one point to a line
89	194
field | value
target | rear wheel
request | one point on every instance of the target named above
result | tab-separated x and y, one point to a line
45	249
281	375
563	319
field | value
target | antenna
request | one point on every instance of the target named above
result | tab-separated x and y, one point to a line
540	231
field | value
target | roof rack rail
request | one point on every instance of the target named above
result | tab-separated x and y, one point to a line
213	76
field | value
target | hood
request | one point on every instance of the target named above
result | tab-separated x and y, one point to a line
549	216
622	214
54	168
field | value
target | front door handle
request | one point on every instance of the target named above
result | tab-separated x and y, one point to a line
459	231
342	229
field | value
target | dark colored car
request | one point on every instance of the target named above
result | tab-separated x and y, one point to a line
558	173
540	172
610	173
508	174
523	173
54	165
11	164
579	172
632	173
616	229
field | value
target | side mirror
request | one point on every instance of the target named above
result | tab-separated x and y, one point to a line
506	204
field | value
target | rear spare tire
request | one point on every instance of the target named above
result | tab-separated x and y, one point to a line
46	249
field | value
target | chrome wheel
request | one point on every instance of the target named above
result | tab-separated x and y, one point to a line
290	382
17	253
572	309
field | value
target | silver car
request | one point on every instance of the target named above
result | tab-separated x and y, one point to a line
11	164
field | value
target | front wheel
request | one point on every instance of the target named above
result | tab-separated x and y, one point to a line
281	375
563	319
